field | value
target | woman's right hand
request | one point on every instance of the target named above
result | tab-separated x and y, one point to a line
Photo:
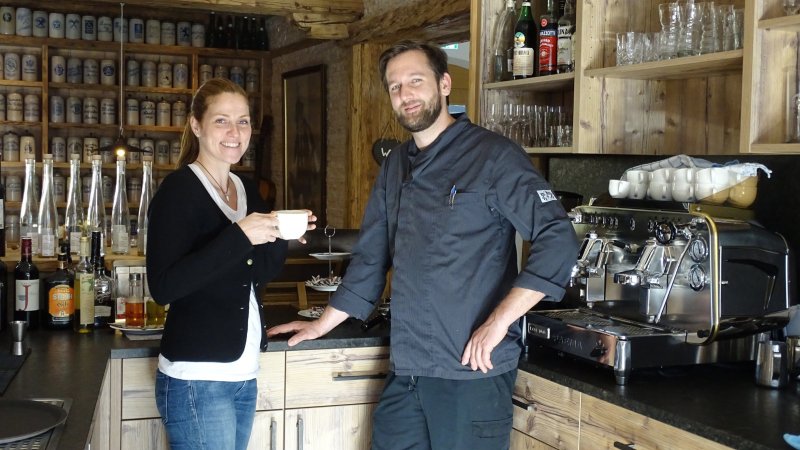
260	228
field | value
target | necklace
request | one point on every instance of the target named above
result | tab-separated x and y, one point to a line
224	192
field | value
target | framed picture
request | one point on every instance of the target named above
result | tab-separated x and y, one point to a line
304	101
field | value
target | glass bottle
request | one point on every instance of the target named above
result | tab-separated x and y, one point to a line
566	33
525	44
28	213
103	286
48	215
503	43
84	290
120	216
134	304
144	202
96	210
548	40
73	215
263	35
4	319
211	31
3	313
58	287
26	278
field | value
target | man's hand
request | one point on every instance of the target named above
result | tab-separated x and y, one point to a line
478	353
310	330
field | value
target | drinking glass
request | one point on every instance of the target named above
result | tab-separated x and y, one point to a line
691	17
791	7
669	16
726	13
708	28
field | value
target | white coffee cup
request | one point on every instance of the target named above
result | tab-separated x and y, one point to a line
684	175
292	223
709	193
660	191
682	192
661	176
637	176
619	188
720	177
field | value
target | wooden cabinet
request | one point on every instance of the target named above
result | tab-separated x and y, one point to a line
604	425
545	412
521	441
720	103
347	427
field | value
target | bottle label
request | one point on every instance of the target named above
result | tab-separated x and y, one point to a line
86	297
523	62
548	45
60	303
48	244
119	239
565	45
27	295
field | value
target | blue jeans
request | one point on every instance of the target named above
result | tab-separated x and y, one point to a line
206	415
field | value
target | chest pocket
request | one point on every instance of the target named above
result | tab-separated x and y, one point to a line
467	214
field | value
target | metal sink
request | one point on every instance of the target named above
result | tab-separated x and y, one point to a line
47	440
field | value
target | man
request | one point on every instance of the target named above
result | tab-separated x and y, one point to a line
442	214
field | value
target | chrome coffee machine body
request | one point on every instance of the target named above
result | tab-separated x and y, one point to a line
669	286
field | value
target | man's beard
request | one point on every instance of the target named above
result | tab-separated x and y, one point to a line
427	116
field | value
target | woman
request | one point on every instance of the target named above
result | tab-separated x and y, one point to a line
211	245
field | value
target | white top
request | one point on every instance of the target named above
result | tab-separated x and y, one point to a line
246	367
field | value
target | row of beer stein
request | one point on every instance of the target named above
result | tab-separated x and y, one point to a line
16	67
16	107
25	22
90	110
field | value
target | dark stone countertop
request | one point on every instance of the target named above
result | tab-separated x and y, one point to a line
720	402
63	364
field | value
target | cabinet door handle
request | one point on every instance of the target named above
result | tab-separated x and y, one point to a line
523	403
273	435
358	375
299	433
621	446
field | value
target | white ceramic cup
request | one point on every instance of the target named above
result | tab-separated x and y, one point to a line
619	188
684	175
638	190
660	191
637	176
292	223
720	177
661	176
709	193
682	191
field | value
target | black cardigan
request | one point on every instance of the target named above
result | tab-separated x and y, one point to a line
203	265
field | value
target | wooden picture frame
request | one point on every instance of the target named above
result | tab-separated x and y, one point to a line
304	140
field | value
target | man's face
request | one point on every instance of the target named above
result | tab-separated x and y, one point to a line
416	96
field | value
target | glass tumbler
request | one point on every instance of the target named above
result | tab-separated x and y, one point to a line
670	18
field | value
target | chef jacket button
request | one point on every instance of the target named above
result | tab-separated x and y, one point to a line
250	261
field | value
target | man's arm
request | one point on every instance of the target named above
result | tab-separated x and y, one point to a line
479	348
304	330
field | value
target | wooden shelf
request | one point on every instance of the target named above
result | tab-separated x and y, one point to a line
157	90
542	84
98	127
20	83
84	87
547	150
21	124
700	66
789	24
776	149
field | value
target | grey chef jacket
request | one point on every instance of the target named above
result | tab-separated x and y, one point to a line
453	250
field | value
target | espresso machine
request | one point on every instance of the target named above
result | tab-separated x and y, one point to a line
675	284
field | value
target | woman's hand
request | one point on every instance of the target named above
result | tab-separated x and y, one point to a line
260	228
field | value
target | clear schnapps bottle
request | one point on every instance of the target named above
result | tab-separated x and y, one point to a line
73	215
48	215
29	210
120	216
148	189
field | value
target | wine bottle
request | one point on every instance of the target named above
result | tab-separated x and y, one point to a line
120	216
503	43
103	286
84	290
525	44
73	215
566	33
96	210
48	215
548	40
211	31
26	277
59	291
144	202
263	35
28	220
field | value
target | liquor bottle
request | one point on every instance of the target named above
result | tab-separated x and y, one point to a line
211	31
230	33
120	216
144	202
503	43
254	33
26	277
96	210
28	213
58	290
525	44
73	215
263	35
548	40
48	215
103	286
566	32
84	290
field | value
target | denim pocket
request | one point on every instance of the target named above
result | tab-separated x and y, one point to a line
491	428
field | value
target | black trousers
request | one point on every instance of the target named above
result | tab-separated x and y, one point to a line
423	413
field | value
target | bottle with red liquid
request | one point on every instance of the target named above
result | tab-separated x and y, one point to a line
548	40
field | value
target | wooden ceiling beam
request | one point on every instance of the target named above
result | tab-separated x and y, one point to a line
353	8
442	21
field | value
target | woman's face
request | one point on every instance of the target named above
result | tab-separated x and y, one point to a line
225	130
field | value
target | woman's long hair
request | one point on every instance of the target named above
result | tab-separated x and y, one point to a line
190	144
